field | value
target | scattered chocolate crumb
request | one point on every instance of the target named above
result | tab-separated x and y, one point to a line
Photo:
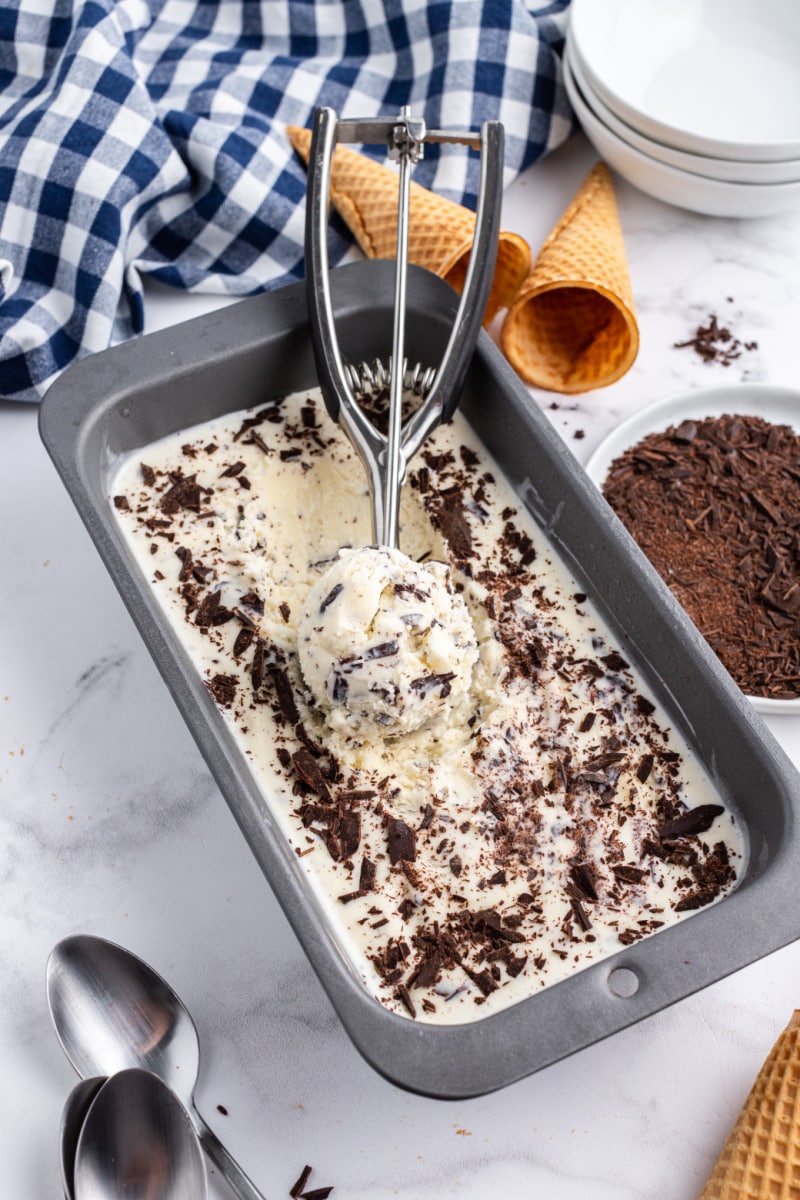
296	1190
121	502
222	1109
715	343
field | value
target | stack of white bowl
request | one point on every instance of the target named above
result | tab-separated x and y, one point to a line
696	102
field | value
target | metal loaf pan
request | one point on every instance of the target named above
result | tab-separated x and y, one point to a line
126	397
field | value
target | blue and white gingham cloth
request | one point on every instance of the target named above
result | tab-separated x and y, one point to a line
147	138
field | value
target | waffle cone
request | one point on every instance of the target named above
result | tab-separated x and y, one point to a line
572	327
761	1158
440	232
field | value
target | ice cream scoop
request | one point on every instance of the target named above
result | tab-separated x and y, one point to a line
385	644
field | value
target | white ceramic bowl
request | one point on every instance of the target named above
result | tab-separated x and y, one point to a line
779	405
713	77
713	197
724	169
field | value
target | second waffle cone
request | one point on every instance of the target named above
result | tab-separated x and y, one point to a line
761	1158
572	327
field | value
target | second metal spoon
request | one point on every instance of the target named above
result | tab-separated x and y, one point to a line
137	1141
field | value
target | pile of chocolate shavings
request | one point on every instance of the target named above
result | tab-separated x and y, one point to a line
715	506
715	343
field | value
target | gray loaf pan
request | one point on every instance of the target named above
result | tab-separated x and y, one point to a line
124	398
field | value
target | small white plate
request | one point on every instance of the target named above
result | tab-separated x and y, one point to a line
724	169
781	406
715	77
713	197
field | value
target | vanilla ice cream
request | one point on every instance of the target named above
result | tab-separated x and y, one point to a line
385	642
528	809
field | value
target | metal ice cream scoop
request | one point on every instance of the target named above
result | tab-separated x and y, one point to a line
385	456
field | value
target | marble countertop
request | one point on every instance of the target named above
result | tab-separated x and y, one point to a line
112	825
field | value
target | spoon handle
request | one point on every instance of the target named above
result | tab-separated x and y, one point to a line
225	1163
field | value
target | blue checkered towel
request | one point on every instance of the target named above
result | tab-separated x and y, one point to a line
146	138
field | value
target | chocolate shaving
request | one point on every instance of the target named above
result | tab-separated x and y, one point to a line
696	820
427	683
212	612
284	693
331	596
243	641
401	841
307	768
257	669
184	493
581	877
223	689
366	878
296	1190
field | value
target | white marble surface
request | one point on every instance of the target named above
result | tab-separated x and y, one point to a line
111	825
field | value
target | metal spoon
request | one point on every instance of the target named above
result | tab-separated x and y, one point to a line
112	1011
137	1141
74	1114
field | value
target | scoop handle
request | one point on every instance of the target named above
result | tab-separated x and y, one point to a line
223	1160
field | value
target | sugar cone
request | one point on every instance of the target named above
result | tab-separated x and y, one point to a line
761	1158
440	232
572	327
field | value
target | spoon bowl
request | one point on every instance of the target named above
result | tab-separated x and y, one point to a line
78	1103
137	1141
112	1012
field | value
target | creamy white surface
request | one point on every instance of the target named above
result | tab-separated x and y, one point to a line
114	827
376	638
529	801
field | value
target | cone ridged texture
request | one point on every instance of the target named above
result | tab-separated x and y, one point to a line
761	1158
573	327
440	235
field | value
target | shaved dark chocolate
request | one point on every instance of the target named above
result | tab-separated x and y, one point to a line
582	879
243	641
331	596
401	841
366	878
257	669
284	693
223	689
713	505
307	768
427	683
212	612
628	874
644	768
297	1188
696	820
184	493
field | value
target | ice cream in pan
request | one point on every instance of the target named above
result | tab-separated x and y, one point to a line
545	816
480	789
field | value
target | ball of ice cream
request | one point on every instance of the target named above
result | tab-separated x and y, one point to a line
385	643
